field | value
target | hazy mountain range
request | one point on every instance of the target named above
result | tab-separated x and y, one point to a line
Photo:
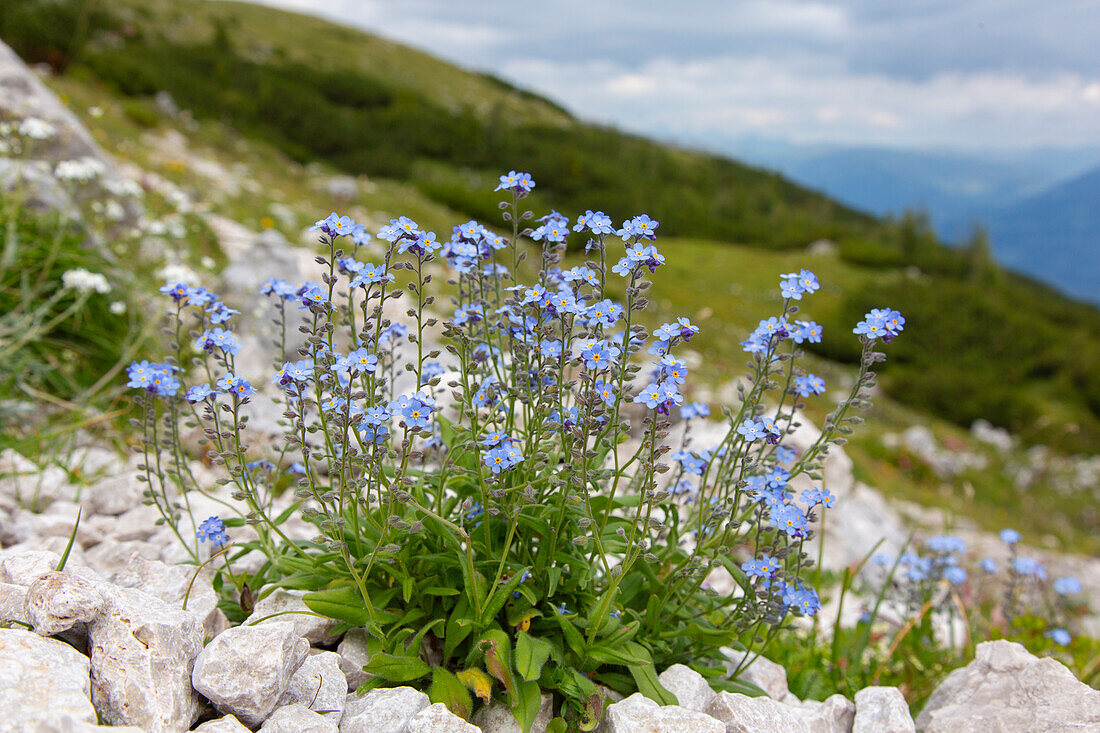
1041	208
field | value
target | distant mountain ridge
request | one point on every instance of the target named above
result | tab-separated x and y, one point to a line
1041	211
1054	235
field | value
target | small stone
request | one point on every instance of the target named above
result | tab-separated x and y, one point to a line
743	714
306	622
639	714
41	681
354	654
384	710
1007	689
835	715
12	598
498	718
245	670
113	495
882	710
171	583
139	523
764	673
319	685
37	491
298	719
438	719
110	556
690	688
23	568
58	601
142	653
228	724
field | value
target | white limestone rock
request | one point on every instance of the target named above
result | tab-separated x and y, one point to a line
111	556
354	655
835	715
315	629
298	719
41	681
139	523
690	688
12	599
438	719
22	566
113	495
762	672
498	718
36	491
228	724
56	602
639	714
170	583
142	654
319	685
383	710
743	714
882	710
1007	689
246	669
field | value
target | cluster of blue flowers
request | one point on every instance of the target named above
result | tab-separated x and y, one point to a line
503	452
880	323
918	574
161	380
212	530
154	378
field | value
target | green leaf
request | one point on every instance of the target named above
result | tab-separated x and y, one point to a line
459	626
369	684
645	675
500	597
342	603
572	637
414	645
474	584
555	578
397	669
557	725
531	654
72	539
497	648
525	704
605	654
437	591
447	689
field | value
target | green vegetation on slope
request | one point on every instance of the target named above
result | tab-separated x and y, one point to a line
979	342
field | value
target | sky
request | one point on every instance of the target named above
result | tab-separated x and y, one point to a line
966	75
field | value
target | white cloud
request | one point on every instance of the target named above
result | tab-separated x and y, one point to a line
969	73
733	96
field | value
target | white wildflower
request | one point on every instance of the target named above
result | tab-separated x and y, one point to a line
208	262
117	308
178	273
95	112
37	129
82	170
114	211
123	187
83	281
